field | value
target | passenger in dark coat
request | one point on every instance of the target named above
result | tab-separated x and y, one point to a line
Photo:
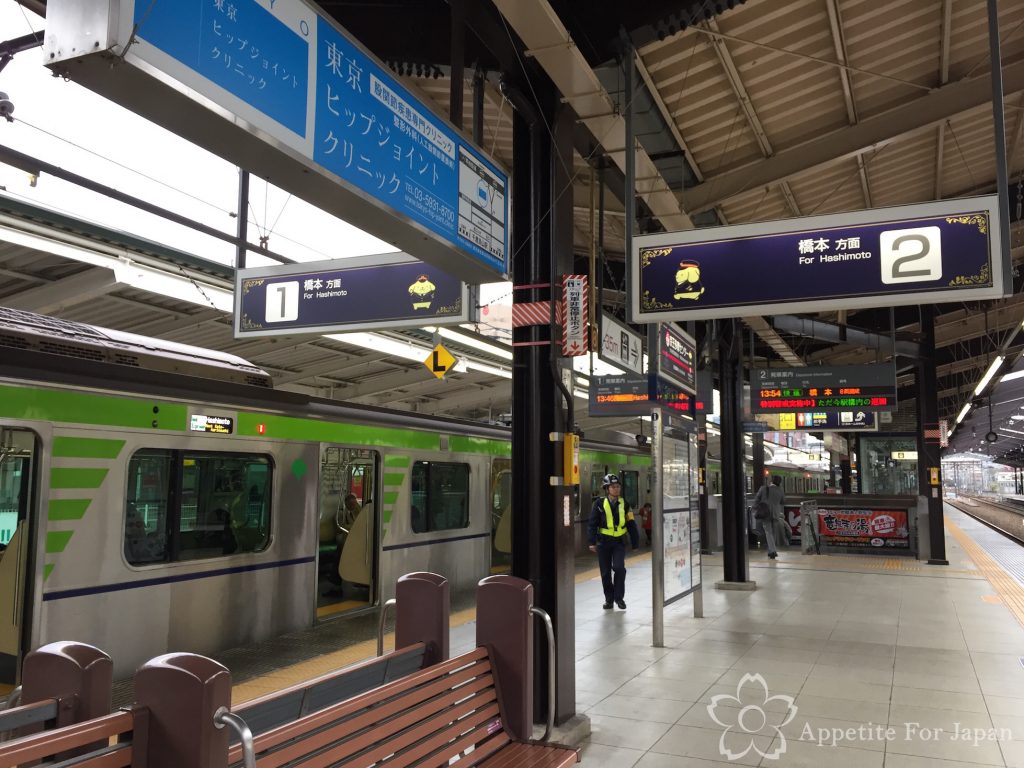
610	521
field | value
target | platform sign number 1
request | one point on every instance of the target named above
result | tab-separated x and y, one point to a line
911	255
282	302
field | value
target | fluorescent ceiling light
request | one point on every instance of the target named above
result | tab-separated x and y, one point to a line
483	368
964	411
378	343
988	375
581	394
1017	417
1013	375
470	341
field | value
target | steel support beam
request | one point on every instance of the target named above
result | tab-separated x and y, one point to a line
871	134
59	295
929	454
730	375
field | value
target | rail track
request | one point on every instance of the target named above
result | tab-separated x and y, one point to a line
1005	517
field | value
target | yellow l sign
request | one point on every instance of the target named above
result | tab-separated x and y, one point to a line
439	361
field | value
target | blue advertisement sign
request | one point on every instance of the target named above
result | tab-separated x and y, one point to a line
371	132
240	46
943	251
347	294
282	70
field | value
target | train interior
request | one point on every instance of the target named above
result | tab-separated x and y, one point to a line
18	458
348	564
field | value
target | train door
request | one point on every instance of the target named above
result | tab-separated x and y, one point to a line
19	450
349	564
501	516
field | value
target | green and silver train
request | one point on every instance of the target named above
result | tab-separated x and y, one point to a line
156	497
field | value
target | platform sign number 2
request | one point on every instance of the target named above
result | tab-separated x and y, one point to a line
282	302
911	255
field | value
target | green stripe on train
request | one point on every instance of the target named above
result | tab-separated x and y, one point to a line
465	444
56	541
393	478
605	457
314	430
47	570
68	477
86	447
390	497
67	509
397	462
84	408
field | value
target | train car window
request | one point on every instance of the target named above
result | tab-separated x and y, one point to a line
501	516
631	488
208	505
440	496
149	491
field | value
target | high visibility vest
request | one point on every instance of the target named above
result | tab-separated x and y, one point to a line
611	529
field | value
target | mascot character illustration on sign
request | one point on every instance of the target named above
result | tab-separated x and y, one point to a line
688	285
422	292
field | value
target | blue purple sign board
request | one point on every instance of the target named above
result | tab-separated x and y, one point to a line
389	291
934	252
283	73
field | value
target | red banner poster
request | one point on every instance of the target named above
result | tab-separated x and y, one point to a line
864	528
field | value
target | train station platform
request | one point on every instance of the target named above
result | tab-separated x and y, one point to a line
834	660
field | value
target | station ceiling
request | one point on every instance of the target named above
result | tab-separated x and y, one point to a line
762	111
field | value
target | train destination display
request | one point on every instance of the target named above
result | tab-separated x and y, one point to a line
387	291
636	395
826	388
934	252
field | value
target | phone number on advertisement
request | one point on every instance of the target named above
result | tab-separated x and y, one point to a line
429	204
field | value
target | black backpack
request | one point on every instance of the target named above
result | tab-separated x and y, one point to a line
762	511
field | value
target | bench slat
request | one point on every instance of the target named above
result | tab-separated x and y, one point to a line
472	718
42	745
522	755
404	713
118	756
428	682
478	738
427	736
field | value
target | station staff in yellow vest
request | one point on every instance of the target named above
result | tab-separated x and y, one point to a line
610	521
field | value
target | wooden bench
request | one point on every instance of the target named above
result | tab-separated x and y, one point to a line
117	740
289	704
429	718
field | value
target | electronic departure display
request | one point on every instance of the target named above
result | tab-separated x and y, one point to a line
834	388
630	395
216	425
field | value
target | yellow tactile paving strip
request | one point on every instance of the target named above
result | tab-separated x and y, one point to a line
1008	588
286	676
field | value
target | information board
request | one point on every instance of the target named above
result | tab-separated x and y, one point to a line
677	357
680	512
823	388
621	346
819	421
386	291
933	252
277	87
